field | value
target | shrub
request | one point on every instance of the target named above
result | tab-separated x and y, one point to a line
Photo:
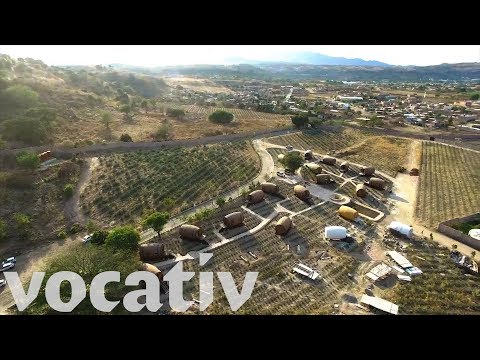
62	234
126	138
176	113
68	190
28	160
221	117
99	237
125	237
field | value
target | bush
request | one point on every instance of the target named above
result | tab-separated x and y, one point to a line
62	234
125	237
176	113
28	160
475	96
221	117
67	170
126	138
99	237
76	228
292	160
300	120
68	190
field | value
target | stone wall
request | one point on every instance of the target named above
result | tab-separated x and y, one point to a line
445	228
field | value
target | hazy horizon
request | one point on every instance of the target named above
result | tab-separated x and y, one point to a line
163	55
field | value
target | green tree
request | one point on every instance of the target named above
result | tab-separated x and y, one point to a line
145	105
300	120
163	133
220	202
3	230
20	97
23	222
88	261
125	237
176	113
475	96
221	117
99	237
292	160
126	138
28	160
68	190
106	119
156	221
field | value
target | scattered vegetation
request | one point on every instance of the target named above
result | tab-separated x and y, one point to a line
28	160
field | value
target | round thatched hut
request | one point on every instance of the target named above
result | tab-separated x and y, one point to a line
283	225
191	232
233	219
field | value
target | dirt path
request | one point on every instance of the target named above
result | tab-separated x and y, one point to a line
72	210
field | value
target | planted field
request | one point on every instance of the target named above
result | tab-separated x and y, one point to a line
124	186
386	154
443	288
321	140
449	183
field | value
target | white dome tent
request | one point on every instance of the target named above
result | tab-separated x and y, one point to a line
401	228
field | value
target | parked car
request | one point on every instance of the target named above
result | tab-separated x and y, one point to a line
10	260
3	282
289	147
7	266
87	238
281	173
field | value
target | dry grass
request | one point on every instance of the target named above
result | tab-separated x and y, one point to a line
386	154
200	85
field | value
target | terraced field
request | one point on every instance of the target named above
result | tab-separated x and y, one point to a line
449	183
124	185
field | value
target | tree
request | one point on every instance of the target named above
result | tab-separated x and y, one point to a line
87	261
106	119
454	246
300	120
176	113
20	97
126	138
163	133
99	237
3	230
28	160
221	117
220	202
144	105
473	253
292	160
125	237
475	96
156	221
68	190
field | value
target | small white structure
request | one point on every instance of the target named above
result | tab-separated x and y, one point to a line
474	233
379	272
414	271
335	232
380	304
306	271
404	277
401	228
400	259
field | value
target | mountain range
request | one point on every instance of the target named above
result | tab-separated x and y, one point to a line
308	58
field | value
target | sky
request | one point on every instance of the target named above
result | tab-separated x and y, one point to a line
158	55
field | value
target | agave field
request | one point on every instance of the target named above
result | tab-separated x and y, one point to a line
322	140
124	186
449	183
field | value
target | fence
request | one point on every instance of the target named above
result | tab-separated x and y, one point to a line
445	228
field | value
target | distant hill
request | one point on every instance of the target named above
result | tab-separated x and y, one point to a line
307	57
